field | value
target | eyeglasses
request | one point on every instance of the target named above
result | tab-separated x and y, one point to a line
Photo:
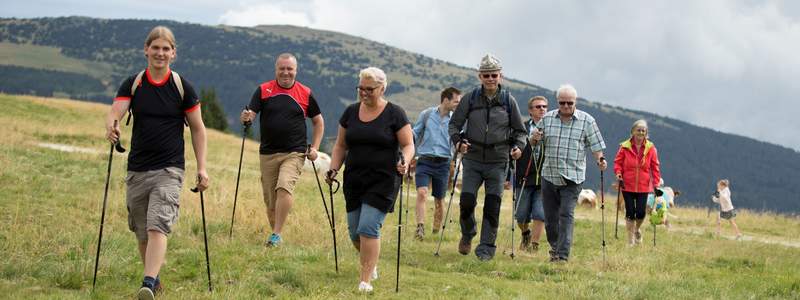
487	76
566	103
537	107
368	90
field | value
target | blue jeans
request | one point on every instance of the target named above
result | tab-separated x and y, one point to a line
530	205
433	172
559	215
492	176
366	221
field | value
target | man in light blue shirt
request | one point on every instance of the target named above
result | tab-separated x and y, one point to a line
433	156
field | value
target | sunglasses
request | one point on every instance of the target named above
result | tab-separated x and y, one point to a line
566	103
537	106
368	90
487	76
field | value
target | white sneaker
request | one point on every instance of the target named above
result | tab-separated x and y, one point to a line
364	287
374	273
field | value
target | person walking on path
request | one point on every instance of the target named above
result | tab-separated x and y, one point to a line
530	206
159	100
567	133
487	128
637	168
726	210
370	133
284	104
433	157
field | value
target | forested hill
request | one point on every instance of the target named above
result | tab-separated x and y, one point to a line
86	58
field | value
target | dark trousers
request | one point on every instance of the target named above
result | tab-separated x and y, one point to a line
634	205
559	215
492	176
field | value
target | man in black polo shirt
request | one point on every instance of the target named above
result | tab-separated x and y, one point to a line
284	105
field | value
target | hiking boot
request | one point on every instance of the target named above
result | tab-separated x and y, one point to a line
525	244
274	240
638	234
420	233
485	257
464	246
145	293
365	287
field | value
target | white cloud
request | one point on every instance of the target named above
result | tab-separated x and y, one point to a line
728	65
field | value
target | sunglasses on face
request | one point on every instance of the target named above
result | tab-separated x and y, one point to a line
487	76
566	103
368	90
537	107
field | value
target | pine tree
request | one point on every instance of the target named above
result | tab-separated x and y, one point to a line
213	114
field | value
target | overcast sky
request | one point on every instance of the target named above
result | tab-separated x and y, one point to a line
733	66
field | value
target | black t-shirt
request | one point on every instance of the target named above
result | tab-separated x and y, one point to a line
371	174
158	115
283	116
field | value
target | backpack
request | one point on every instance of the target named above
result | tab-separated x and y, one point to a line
138	81
658	214
476	95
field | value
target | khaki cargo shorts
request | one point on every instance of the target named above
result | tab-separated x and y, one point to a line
153	200
279	171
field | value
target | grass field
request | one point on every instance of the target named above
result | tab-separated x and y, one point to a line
49	58
50	202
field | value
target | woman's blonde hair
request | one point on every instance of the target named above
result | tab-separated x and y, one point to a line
374	74
160	32
642	123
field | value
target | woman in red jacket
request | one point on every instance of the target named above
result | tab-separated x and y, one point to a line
637	168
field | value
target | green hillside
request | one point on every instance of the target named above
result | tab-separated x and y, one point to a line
86	58
51	201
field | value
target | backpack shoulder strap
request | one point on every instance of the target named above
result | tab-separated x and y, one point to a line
136	83
178	83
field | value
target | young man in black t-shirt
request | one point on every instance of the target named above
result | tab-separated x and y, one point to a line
156	161
284	104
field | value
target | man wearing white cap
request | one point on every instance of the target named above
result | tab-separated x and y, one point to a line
487	128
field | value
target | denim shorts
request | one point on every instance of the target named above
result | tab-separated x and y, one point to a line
366	221
433	172
530	205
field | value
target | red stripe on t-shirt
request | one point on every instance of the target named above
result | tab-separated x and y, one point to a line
298	92
158	83
122	98
191	109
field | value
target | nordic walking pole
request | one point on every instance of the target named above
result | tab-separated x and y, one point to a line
654	233
330	218
120	149
513	202
450	202
332	191
205	237
519	196
603	210
616	223
408	186
399	228
239	174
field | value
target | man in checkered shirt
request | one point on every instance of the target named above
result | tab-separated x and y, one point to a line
566	134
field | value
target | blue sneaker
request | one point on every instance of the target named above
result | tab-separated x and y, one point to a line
274	240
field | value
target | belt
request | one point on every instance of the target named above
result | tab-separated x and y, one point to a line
435	159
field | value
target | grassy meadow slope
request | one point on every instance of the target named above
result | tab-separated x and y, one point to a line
51	202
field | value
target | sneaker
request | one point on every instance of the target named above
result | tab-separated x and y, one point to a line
274	240
485	257
364	287
145	293
158	288
420	233
374	273
464	246
526	241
